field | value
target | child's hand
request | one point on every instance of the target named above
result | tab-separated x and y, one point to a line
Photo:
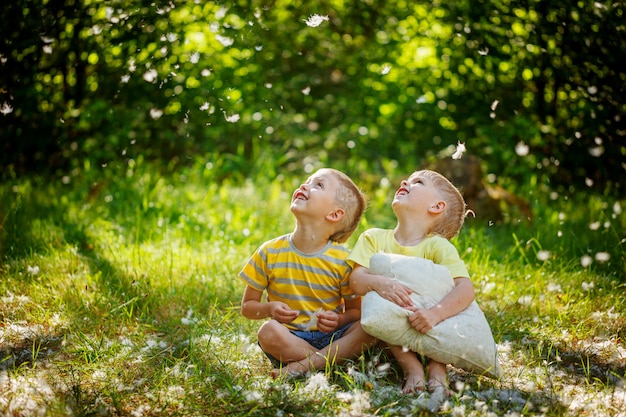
395	292
282	313
327	321
422	320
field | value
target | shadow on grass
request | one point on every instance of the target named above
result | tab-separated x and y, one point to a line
23	343
29	349
32	226
37	220
594	367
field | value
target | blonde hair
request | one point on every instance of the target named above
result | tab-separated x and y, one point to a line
449	225
352	200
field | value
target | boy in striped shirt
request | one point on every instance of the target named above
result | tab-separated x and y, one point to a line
313	314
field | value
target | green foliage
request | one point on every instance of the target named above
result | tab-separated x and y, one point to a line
534	89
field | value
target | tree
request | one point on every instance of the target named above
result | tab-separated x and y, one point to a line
553	70
533	88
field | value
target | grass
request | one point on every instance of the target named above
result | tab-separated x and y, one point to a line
120	297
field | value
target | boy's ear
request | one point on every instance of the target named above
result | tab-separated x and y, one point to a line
437	207
336	215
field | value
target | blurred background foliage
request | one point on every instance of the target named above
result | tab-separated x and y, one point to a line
535	89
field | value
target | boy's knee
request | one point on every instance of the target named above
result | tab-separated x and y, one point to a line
270	331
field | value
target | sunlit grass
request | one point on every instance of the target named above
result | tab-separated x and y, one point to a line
120	297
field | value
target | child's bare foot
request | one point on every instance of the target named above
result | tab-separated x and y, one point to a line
290	371
438	379
435	385
414	382
279	373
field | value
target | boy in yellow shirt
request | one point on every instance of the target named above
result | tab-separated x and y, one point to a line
430	211
313	314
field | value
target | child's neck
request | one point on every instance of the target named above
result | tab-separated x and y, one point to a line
308	241
410	235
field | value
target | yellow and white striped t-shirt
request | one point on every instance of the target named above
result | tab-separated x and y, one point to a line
305	282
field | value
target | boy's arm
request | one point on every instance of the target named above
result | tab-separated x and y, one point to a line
352	313
253	308
362	281
452	304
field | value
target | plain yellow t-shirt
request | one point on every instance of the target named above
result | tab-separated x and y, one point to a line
434	247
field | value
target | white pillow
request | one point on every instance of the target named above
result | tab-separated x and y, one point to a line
464	341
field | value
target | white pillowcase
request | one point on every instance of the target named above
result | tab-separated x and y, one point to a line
464	341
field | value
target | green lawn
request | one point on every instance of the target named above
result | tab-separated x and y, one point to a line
120	297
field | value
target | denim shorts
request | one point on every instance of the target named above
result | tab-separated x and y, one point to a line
317	339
